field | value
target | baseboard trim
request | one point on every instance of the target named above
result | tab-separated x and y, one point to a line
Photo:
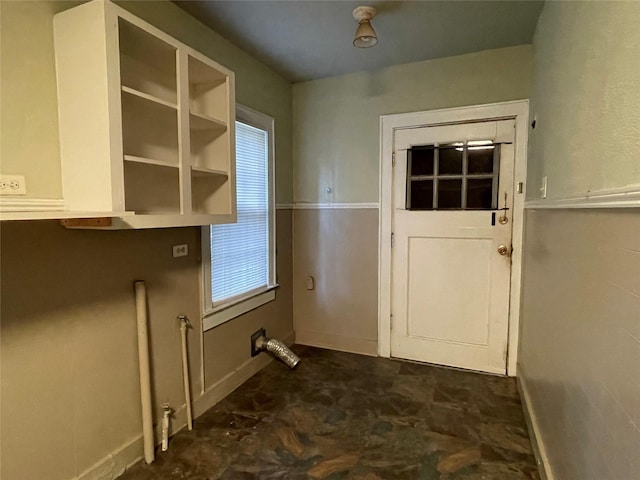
117	462
233	380
542	459
329	341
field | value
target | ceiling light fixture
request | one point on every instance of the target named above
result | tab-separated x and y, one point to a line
365	34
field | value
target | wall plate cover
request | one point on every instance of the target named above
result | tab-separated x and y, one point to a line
13	185
311	283
255	336
180	250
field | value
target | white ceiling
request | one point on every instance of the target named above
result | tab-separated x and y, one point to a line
305	40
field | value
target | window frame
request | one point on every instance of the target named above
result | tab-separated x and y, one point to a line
214	315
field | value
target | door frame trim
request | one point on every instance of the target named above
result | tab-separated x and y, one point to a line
517	110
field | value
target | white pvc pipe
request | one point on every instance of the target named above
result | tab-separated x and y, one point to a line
145	375
184	323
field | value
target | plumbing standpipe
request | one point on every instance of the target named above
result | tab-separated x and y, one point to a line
145	374
184	324
279	349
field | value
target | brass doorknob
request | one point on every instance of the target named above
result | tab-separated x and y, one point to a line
503	250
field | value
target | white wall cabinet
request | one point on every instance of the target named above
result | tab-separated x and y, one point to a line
147	124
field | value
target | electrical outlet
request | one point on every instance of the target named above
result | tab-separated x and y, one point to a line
13	185
180	250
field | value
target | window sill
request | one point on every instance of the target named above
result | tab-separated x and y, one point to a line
215	318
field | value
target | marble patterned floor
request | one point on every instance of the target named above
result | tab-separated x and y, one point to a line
345	416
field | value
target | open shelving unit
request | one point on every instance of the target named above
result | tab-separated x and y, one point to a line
147	125
210	137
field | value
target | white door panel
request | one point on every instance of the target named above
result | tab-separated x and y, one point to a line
450	286
453	289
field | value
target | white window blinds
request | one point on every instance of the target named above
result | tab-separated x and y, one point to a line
240	251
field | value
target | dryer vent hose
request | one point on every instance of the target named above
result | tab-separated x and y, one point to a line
279	349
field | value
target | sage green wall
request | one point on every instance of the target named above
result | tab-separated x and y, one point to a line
336	140
336	120
70	389
579	353
585	97
29	142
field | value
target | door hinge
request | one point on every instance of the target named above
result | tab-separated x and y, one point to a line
393	159
391	321
392	239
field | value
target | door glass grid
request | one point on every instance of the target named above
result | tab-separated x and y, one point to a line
453	176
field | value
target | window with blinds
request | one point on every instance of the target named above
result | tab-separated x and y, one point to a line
241	253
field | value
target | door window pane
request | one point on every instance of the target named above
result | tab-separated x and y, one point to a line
421	160
479	193
450	160
480	160
449	194
420	195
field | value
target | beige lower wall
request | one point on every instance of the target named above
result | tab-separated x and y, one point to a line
579	352
339	248
69	367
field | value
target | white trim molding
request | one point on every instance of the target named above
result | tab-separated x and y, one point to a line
12	208
542	458
214	315
213	319
17	204
624	197
517	110
361	346
318	206
284	206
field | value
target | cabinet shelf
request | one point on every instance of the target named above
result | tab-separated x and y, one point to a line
200	121
149	127
146	96
147	62
204	172
148	161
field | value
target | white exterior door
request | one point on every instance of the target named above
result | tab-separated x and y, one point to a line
450	274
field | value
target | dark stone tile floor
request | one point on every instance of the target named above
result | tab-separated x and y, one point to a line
345	416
